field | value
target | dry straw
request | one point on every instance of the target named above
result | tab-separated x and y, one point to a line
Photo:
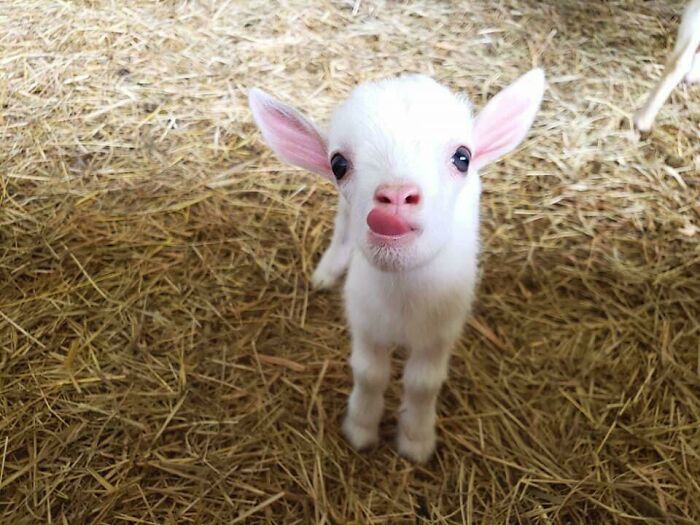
163	358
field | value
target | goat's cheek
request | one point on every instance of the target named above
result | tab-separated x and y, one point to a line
346	190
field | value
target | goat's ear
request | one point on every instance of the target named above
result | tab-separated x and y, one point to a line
506	119
292	136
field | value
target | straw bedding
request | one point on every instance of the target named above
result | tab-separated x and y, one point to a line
163	357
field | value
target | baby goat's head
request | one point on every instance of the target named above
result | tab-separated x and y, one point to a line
402	152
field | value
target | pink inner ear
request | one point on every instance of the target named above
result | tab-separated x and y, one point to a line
290	134
296	141
506	119
502	129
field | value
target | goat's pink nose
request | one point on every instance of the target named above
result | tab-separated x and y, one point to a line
397	194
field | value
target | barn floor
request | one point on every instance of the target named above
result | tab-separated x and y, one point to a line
164	360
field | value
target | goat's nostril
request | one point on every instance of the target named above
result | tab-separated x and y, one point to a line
397	195
412	198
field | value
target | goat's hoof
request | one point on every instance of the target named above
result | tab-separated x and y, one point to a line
359	436
322	279
642	123
417	448
326	274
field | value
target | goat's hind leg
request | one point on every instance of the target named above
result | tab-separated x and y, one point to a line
336	258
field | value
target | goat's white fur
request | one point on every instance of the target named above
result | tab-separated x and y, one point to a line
684	62
417	296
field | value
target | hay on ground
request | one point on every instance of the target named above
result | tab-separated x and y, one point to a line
163	358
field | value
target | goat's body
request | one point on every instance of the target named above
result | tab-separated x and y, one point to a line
408	309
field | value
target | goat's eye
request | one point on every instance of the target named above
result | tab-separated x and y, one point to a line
339	166
461	159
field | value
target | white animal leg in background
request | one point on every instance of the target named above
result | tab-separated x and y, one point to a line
693	75
683	62
678	65
371	367
425	372
336	258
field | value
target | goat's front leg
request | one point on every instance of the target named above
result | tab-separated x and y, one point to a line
426	370
371	367
336	258
678	65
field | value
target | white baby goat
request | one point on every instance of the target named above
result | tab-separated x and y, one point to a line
404	154
683	62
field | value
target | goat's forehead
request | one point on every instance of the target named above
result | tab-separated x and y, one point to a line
408	111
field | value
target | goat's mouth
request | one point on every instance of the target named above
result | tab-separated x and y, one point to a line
382	242
394	241
389	228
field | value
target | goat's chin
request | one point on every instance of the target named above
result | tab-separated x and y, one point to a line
400	256
388	260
